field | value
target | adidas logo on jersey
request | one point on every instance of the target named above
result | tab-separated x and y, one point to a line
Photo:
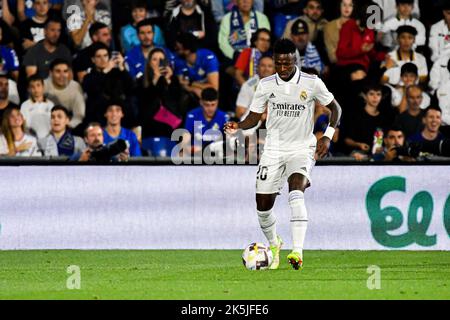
272	96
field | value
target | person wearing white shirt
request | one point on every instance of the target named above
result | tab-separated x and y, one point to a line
439	42
14	142
389	8
439	73
404	53
403	17
36	110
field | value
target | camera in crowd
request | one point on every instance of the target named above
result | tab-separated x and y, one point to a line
106	153
414	149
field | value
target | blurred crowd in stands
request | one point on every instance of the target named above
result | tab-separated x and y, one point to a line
77	74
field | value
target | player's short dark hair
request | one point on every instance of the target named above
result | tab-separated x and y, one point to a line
138	4
284	46
96	26
144	23
99	46
209	94
406	29
59	61
394	127
188	41
35	78
52	19
59	107
373	86
409	68
432	107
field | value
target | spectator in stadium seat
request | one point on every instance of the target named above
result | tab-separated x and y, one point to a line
220	8
5	103
356	44
312	15
32	29
24	9
109	80
410	120
189	17
236	29
114	131
439	41
247	63
332	29
38	58
432	120
443	96
9	61
36	110
129	33
308	58
14	141
82	64
405	53
440	72
394	138
389	8
196	69
136	58
78	23
93	137
158	94
66	92
409	76
266	67
60	142
404	17
360	129
205	123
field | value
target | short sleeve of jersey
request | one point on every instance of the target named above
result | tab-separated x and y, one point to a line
259	99
189	124
211	63
322	95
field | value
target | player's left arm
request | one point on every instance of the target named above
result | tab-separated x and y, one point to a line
323	145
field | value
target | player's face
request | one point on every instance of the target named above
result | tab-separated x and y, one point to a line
405	9
114	115
209	107
266	67
394	139
346	8
313	10
415	98
406	41
146	36
284	65
59	121
94	137
432	120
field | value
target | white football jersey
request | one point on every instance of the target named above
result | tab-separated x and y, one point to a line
291	105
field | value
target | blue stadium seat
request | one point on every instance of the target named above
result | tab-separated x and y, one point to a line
158	146
279	23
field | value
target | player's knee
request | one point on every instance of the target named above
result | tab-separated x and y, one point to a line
297	182
264	202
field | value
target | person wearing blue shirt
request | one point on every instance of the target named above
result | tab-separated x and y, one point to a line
136	58
432	120
196	69
129	34
114	131
9	61
205	123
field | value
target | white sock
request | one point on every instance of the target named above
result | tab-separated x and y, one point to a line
267	221
299	221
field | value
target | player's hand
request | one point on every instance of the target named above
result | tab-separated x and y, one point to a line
323	145
231	127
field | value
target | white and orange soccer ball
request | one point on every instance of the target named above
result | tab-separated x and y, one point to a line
257	256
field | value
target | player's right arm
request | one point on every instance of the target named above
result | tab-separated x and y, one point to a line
257	109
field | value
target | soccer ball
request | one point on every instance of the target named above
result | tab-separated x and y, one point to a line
257	256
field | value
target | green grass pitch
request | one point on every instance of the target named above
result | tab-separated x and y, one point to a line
209	274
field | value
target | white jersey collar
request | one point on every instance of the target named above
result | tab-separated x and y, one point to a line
295	79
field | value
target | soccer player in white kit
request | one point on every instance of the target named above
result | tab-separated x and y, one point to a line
291	147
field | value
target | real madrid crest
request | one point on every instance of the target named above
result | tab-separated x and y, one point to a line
303	95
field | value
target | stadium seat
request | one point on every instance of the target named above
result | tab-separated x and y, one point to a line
158	146
279	23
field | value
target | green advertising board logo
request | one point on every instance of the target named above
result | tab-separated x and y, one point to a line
384	220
